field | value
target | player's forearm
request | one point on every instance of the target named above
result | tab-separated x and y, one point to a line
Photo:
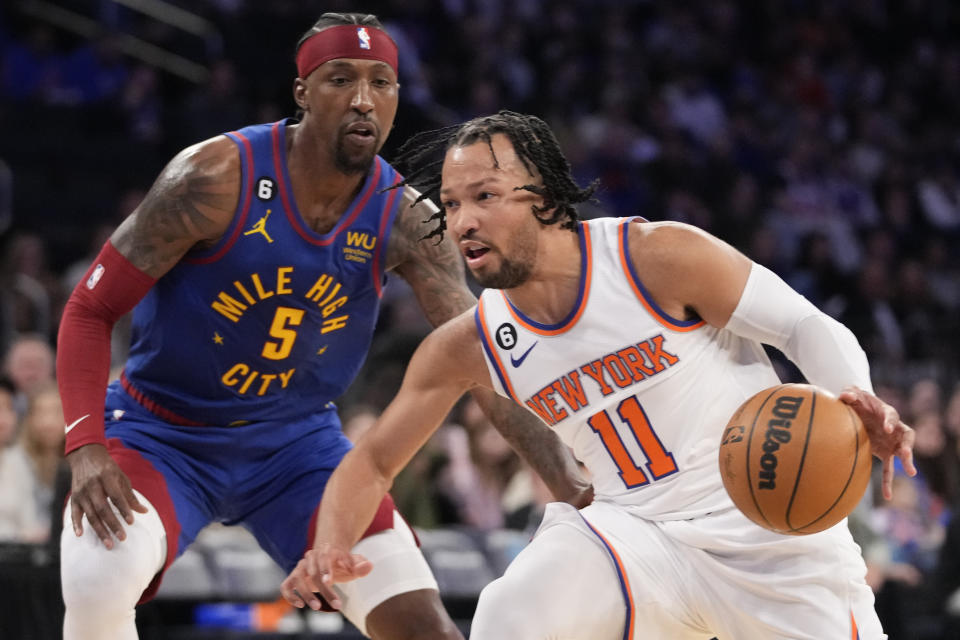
350	500
111	287
826	352
540	447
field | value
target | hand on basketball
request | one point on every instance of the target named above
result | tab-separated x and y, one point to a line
316	573
889	436
98	486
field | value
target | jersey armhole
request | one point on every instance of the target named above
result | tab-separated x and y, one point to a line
630	272
214	253
501	381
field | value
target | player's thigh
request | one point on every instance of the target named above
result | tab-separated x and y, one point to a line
796	588
591	574
562	585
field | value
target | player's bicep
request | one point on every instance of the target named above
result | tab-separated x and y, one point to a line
690	272
190	204
433	267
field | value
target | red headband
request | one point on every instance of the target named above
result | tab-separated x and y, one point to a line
345	41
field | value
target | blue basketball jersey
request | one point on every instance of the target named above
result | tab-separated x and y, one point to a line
274	321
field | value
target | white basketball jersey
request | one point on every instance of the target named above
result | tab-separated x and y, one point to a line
640	397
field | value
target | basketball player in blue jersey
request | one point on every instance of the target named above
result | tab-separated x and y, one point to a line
254	268
636	342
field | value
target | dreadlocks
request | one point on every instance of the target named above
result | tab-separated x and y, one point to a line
422	155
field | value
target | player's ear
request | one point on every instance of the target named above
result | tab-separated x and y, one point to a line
300	94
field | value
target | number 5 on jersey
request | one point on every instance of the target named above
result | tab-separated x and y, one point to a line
660	462
284	318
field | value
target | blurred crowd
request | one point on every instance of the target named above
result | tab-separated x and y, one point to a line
822	138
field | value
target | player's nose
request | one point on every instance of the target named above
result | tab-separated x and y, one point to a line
362	100
463	221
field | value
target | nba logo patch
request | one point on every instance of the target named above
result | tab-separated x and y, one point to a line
95	276
364	37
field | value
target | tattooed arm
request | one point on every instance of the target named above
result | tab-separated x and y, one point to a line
435	271
189	205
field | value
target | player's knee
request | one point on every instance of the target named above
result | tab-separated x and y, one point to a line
440	631
417	615
94	578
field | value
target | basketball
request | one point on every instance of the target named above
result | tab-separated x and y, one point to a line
795	459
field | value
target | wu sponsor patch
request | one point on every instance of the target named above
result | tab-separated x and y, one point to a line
359	246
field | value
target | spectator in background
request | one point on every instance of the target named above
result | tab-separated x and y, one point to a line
923	319
952	418
142	106
474	494
120	335
815	275
936	461
29	364
20	519
215	106
30	290
28	66
489	483
427	487
42	439
696	109
939	194
92	74
8	415
913	528
869	314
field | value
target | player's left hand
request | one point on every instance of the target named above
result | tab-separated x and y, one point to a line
889	436
317	572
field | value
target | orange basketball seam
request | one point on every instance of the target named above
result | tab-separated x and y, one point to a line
853	470
803	457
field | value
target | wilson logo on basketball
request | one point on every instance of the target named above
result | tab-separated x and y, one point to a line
795	459
778	433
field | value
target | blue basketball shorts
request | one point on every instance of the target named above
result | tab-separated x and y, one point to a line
267	476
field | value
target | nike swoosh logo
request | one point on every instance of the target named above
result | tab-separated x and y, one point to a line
516	362
75	423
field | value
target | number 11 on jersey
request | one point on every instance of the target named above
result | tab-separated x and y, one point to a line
660	462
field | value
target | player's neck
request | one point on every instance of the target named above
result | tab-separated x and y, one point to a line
322	192
551	292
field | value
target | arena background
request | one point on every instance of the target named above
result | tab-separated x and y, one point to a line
819	137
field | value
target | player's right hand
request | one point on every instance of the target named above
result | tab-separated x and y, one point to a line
97	482
889	436
316	573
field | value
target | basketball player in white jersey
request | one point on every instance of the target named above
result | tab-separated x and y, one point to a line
636	342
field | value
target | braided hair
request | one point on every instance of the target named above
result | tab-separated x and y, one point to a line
421	159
